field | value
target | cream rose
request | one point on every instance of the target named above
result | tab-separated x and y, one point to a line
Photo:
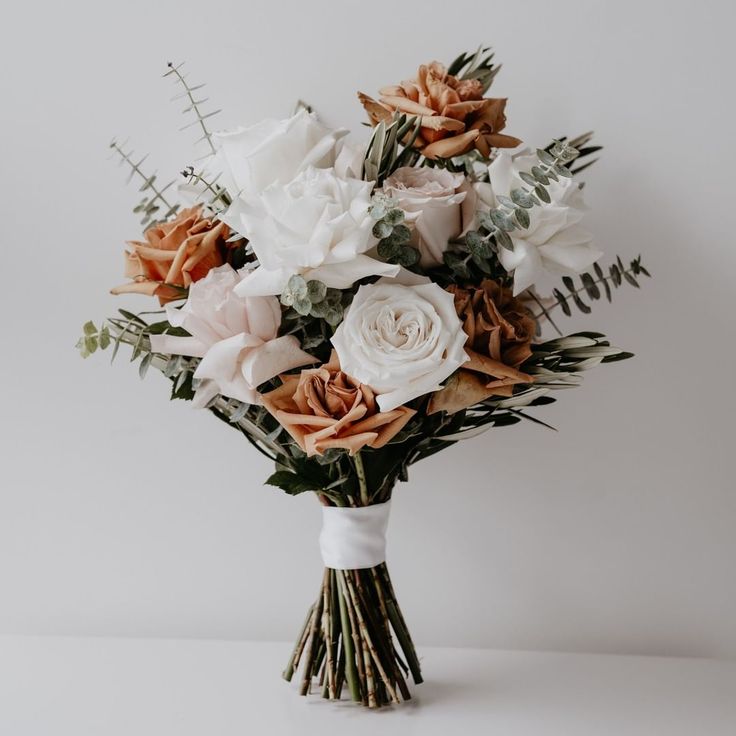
236	337
317	226
252	158
438	205
554	240
401	340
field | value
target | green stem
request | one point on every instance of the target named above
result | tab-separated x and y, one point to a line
351	673
360	470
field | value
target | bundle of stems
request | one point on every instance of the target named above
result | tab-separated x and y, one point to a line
347	641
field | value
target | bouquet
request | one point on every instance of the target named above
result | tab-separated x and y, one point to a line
353	307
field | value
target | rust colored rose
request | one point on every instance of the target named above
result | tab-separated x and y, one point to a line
455	117
323	408
174	255
499	331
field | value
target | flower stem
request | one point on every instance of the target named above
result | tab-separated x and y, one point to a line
360	471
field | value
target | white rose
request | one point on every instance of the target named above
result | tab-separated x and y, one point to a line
554	240
317	226
251	159
402	341
236	337
437	208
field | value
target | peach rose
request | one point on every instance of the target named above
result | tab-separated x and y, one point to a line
323	408
175	254
455	117
499	331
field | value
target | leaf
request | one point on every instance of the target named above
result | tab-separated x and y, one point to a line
181	388
540	176
401	234
528	178
502	220
580	304
630	279
546	158
303	305
562	301
334	316
290	482
456	264
591	288
522	198
542	193
394	217
104	338
316	291
503	240
522	217
382	229
505	201
132	317
620	356
297	286
388	250
408	257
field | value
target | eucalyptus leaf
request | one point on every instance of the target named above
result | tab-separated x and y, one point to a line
522	198
504	240
316	291
394	216
522	217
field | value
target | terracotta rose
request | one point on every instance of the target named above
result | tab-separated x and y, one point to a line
455	117
323	408
499	331
175	254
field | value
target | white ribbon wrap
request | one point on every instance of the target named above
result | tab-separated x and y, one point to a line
354	539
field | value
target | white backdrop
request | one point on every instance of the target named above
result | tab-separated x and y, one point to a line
122	514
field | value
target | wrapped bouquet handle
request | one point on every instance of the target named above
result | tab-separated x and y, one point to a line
354	538
348	634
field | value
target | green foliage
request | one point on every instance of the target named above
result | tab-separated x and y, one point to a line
594	286
580	143
208	191
390	148
478	65
476	256
194	102
556	363
313	299
394	236
92	339
154	207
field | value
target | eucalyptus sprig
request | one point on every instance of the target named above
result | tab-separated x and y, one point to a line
150	207
594	285
194	100
92	339
479	248
312	298
214	196
393	234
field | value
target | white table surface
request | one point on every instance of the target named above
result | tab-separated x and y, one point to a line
108	687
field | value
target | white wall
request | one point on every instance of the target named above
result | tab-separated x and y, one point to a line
122	514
